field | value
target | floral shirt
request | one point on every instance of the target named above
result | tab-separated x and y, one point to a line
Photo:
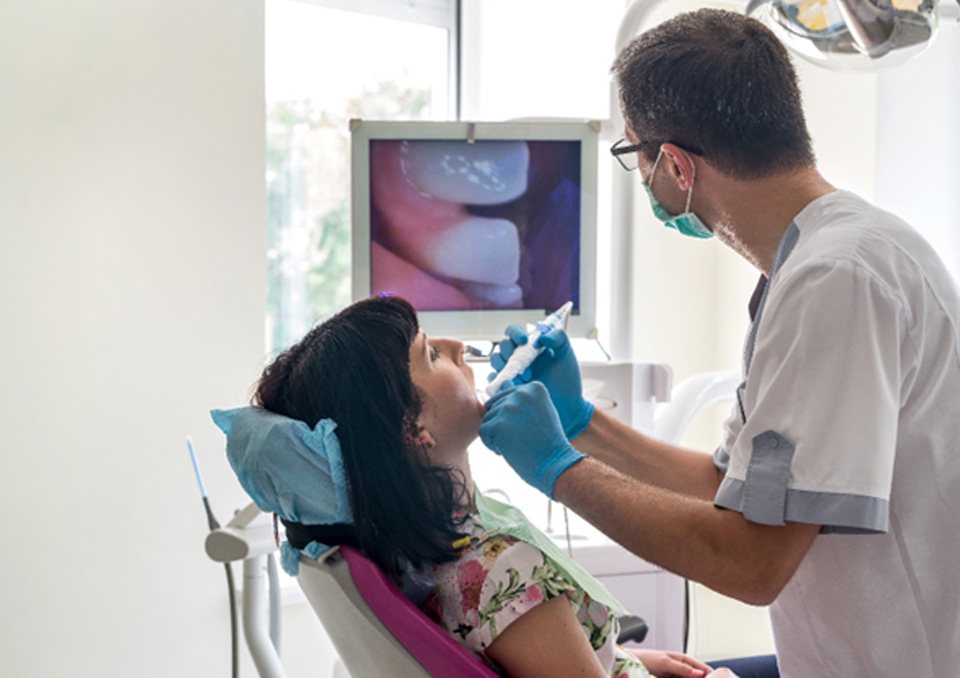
497	579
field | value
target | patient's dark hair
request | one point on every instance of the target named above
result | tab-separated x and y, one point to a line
354	368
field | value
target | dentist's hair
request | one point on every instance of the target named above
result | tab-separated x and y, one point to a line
354	368
717	81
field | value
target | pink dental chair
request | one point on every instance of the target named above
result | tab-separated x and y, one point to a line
376	629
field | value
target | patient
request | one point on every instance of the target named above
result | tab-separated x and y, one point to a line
403	409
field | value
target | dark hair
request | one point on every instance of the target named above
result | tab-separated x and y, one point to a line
720	82
354	368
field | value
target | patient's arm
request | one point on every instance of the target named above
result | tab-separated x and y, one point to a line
546	641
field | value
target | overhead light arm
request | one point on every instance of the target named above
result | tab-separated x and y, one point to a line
848	35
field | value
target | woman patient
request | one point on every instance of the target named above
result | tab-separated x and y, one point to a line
403	408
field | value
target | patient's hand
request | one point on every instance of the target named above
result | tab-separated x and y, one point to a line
671	664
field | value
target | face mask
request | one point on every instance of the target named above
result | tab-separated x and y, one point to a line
687	222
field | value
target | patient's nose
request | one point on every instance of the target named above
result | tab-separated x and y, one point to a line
455	349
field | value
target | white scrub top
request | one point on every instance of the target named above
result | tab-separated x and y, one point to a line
849	418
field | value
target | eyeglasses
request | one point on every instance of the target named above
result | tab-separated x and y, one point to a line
626	153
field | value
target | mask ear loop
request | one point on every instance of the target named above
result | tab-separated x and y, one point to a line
653	172
693	180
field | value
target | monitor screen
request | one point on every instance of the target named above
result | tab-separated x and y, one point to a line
477	225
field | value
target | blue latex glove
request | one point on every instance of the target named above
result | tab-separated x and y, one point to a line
522	425
559	371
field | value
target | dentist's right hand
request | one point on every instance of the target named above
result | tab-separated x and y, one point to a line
522	425
557	368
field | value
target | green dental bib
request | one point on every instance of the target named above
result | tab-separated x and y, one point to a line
496	517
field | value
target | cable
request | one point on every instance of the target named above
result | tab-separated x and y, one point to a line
605	352
213	524
234	644
566	525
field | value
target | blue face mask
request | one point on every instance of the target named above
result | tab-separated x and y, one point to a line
686	222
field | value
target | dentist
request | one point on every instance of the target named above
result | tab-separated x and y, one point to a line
834	496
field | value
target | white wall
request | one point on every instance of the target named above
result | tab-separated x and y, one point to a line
133	289
918	143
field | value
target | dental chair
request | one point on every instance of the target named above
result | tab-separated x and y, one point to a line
376	630
374	627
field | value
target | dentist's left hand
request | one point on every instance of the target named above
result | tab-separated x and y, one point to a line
522	425
558	369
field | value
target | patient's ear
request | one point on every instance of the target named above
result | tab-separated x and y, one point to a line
422	438
425	439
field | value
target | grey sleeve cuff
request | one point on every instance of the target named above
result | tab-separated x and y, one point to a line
836	513
721	459
765	496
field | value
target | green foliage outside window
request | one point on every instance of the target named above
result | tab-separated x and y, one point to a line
308	208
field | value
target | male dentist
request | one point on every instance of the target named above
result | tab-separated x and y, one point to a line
835	494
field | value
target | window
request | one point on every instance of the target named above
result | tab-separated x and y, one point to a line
533	58
328	61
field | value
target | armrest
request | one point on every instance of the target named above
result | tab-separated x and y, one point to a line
632	629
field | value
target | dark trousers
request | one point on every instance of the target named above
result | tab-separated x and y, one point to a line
762	666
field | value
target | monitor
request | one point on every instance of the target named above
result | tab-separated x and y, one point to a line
478	225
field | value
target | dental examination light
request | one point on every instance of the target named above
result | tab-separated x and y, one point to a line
842	35
854	35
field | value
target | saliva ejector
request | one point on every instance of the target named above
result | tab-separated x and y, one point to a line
523	356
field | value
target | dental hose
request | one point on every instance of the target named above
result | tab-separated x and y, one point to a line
213	524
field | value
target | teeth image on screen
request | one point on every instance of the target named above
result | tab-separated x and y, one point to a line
477	249
479	225
481	173
475	256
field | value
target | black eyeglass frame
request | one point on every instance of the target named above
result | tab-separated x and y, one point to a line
617	150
